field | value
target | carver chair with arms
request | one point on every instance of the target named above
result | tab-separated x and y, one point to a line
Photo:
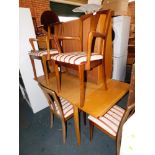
112	122
95	55
42	54
59	107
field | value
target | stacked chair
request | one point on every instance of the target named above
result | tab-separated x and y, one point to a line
59	107
97	42
112	122
85	61
48	18
43	55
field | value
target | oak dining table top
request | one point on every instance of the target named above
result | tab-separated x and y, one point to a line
97	100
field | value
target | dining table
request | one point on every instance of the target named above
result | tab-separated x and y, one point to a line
97	100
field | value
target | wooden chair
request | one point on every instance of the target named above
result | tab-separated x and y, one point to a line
112	122
59	107
95	56
43	55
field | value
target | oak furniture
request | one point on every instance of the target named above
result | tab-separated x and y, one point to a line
43	55
112	122
131	51
79	30
98	100
85	61
59	107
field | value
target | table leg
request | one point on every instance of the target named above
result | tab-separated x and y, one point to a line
76	124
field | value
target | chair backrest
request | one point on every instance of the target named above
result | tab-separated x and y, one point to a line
128	113
131	98
53	101
101	23
130	107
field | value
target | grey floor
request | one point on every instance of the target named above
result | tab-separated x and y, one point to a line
37	138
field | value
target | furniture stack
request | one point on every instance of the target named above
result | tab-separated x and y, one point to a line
83	45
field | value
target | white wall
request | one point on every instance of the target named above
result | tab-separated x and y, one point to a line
26	30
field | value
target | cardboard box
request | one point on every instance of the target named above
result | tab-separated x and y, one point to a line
120	7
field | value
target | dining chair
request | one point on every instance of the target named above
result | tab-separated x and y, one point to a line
112	122
42	54
95	56
59	107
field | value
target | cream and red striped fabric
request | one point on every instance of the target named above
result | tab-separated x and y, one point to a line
41	53
75	57
66	107
110	121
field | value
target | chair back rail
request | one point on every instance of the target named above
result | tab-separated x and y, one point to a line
53	101
131	98
128	113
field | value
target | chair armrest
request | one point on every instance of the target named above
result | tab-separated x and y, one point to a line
32	40
57	40
92	35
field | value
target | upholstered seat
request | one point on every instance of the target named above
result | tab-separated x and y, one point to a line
76	58
110	121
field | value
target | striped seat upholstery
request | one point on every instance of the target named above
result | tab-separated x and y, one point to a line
75	57
110	121
44	52
66	107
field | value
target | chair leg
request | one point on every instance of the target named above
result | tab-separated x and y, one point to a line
44	60
82	87
57	76
84	117
76	124
64	131
51	115
33	67
118	142
117	149
50	66
91	127
104	78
